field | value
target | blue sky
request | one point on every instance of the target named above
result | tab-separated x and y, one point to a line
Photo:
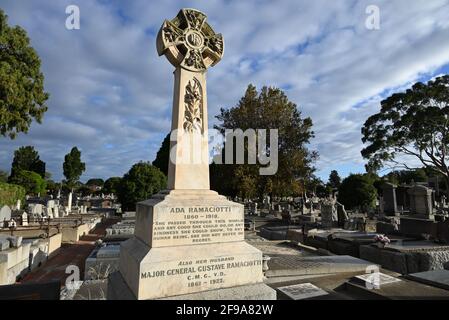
111	94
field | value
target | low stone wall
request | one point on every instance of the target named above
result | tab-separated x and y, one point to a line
406	262
25	256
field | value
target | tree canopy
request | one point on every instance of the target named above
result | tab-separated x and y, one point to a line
163	155
22	95
73	167
3	176
95	182
140	183
26	158
268	109
112	184
413	123
334	180
31	181
357	191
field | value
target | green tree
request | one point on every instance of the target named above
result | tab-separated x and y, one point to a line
22	95
268	109
406	176
26	158
357	192
112	184
10	193
334	179
73	167
31	181
3	176
95	182
163	155
414	123
140	183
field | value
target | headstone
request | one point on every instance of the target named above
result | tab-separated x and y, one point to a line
329	217
421	201
189	239
342	215
5	214
36	208
69	203
18	204
302	291
4	243
24	219
389	199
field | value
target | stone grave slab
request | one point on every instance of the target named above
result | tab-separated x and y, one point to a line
435	278
302	291
289	265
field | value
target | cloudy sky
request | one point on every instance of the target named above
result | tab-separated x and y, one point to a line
111	95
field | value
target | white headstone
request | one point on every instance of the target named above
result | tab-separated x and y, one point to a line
5	214
69	203
24	219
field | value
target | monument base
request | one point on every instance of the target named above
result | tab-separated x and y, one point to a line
119	290
188	242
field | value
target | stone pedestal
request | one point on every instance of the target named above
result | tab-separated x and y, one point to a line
185	242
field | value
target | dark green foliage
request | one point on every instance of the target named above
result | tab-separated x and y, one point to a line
334	180
32	182
22	95
163	155
26	158
267	109
413	123
140	183
357	191
3	176
10	193
73	167
111	185
95	182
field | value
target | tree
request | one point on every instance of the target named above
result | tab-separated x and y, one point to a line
140	183
414	123
268	109
357	191
334	180
31	181
95	182
22	95
10	193
163	155
112	184
26	158
406	176
3	176
73	167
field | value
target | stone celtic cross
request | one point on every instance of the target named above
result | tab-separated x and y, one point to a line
189	42
191	46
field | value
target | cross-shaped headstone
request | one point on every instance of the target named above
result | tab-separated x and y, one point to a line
191	45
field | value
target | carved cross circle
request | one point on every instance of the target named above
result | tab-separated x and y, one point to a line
189	42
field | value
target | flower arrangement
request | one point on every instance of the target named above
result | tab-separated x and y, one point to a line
381	240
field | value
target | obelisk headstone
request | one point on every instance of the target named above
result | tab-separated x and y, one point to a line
189	241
